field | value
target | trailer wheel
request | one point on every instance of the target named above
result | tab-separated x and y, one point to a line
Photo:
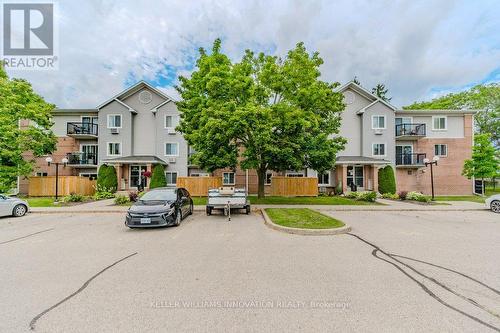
247	209
209	210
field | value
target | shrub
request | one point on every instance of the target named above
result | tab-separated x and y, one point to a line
73	197
106	178
338	188
121	199
133	196
362	196
390	196
386	180
158	177
402	195
103	193
352	195
416	196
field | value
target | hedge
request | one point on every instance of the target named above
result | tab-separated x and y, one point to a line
158	177
106	178
386	180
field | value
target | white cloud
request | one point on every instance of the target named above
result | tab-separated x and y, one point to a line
410	46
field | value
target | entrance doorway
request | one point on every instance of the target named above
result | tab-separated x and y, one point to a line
136	178
404	155
355	175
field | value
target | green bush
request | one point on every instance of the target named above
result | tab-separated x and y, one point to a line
386	180
103	193
416	196
106	178
158	178
121	199
73	197
369	196
390	196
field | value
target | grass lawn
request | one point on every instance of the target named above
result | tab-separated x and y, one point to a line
42	202
334	200
472	198
302	218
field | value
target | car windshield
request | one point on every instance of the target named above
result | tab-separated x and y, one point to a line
163	195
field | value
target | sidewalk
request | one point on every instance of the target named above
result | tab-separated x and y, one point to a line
107	206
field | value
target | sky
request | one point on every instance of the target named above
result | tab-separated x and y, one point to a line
418	49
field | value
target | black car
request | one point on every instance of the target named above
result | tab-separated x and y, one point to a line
160	207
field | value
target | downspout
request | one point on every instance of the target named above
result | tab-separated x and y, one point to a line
246	181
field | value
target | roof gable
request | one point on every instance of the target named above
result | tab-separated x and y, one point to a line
363	92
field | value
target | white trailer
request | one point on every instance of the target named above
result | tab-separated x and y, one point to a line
226	199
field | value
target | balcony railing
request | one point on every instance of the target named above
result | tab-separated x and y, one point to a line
410	130
82	129
81	159
410	159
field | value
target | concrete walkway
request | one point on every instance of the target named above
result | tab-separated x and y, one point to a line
108	206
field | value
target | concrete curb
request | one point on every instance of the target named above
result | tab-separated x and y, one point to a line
304	232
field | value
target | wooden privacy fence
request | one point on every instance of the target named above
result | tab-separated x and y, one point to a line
294	186
199	186
46	186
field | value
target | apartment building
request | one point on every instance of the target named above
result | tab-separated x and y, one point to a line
135	130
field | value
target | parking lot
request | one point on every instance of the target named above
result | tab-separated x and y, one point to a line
396	271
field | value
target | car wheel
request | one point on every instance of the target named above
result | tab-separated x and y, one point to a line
495	206
191	209
19	210
178	218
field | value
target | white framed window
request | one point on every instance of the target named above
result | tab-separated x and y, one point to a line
441	150
114	148
324	178
171	178
114	121
378	149
378	122
171	121
41	174
269	175
295	174
228	178
171	149
439	123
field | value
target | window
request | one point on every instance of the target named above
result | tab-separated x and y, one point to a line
114	149
379	149
441	150
269	175
171	149
324	178
114	121
171	178
228	178
378	122
41	174
294	174
171	121
91	176
439	123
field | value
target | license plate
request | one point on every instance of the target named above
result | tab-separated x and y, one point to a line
145	220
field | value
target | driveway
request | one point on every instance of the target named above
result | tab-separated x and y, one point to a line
213	275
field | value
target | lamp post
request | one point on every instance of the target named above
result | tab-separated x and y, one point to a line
64	161
427	162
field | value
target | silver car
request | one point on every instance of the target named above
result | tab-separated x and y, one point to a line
493	203
10	206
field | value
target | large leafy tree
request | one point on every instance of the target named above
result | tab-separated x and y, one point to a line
484	162
484	97
19	102
262	113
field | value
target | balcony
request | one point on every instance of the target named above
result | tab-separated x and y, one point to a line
410	131
410	160
82	130
81	160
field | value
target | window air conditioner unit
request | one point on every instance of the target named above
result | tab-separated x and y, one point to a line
378	132
115	131
171	160
171	130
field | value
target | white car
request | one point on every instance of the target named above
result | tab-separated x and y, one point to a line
10	206
493	203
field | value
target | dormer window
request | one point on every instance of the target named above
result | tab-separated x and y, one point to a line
378	122
114	121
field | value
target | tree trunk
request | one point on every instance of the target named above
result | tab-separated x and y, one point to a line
261	175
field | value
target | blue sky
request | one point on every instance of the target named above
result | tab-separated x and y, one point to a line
418	49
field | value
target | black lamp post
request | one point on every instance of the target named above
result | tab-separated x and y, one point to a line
427	162
64	161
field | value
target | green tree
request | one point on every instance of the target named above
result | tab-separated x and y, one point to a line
381	92
484	97
106	178
386	180
484	162
262	113
356	80
19	102
158	177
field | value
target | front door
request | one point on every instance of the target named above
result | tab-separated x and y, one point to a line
355	175
136	178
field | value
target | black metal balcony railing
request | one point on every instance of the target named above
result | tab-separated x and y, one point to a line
410	129
82	129
81	159
410	159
